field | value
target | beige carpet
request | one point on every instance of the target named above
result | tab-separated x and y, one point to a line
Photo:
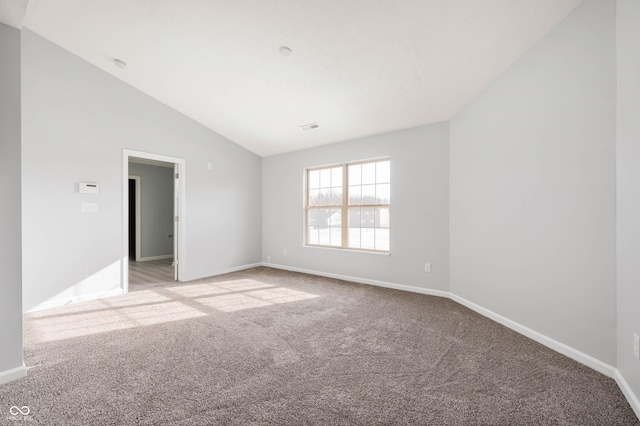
270	347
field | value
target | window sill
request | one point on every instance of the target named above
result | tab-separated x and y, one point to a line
349	250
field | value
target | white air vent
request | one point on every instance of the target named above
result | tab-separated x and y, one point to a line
310	126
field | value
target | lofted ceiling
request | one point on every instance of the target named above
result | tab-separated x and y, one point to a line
12	12
357	68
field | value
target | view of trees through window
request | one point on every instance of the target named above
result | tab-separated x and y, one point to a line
359	192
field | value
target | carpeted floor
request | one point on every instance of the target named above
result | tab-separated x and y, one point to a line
271	347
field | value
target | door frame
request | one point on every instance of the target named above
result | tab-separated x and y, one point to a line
179	208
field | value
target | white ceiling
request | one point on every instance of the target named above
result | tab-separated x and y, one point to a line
359	67
12	12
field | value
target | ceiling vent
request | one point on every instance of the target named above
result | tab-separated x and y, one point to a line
120	63
310	126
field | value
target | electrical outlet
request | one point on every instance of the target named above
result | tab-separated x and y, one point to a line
636	346
268	259
427	267
285	252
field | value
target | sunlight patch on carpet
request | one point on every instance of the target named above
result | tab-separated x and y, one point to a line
87	323
157	306
254	299
196	290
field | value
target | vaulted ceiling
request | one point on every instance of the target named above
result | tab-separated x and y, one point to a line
356	67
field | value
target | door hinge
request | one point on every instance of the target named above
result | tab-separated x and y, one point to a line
177	175
177	218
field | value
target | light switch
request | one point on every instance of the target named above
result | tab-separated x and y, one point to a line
89	207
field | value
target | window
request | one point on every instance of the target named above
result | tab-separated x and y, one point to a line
348	205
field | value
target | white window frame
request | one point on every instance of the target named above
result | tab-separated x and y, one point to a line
343	207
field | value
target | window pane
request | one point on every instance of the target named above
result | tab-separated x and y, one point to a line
336	196
368	194
354	217
323	217
313	236
314	179
325	197
325	178
355	195
325	236
335	218
336	176
314	197
383	172
313	218
382	217
383	193
354	228
354	237
313	226
367	238
382	239
367	218
336	237
355	174
368	173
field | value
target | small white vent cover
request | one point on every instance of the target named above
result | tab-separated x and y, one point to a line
310	126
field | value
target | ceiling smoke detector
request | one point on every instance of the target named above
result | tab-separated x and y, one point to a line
286	51
310	126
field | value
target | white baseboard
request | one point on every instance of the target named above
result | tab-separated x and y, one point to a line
568	351
628	393
229	270
163	256
13	374
50	304
385	284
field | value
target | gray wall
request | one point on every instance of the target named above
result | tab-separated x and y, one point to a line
628	181
419	208
533	188
156	209
10	206
76	122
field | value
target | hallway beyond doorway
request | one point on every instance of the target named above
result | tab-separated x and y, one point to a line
150	273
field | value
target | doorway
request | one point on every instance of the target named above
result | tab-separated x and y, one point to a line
134	208
165	184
